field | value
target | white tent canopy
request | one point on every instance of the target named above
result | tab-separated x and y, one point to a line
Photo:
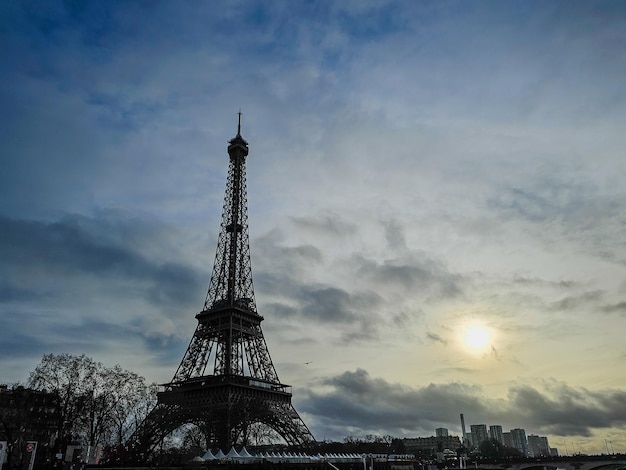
232	453
244	454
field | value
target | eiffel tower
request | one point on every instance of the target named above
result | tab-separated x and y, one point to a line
227	382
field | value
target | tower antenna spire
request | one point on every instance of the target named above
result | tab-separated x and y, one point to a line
239	123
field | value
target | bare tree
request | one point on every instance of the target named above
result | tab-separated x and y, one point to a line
96	420
70	378
132	400
97	405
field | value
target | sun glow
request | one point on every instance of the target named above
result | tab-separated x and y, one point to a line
476	337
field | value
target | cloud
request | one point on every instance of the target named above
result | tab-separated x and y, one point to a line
414	273
274	259
350	314
522	280
328	224
436	338
295	283
331	303
64	281
564	410
357	401
12	293
70	250
395	235
571	209
578	301
494	353
619	308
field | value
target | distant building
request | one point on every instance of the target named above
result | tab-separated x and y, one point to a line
27	415
506	439
538	446
431	445
495	433
554	452
519	442
441	432
479	434
464	435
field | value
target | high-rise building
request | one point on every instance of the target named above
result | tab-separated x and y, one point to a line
506	439
538	446
518	441
441	432
479	434
464	437
495	433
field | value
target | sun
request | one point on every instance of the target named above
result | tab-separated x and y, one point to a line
476	337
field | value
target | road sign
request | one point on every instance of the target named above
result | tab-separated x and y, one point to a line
31	446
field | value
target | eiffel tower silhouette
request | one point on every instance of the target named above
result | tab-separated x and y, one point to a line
226	382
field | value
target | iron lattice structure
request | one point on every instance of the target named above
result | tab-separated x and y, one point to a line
226	381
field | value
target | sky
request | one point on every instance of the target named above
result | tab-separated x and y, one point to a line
436	201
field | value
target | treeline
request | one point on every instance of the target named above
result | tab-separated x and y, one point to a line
369	444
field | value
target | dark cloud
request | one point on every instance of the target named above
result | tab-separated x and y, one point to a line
619	308
282	277
419	275
358	310
549	200
527	281
274	263
394	234
564	410
404	318
436	338
12	293
337	305
494	353
22	336
576	209
281	310
38	250
355	400
578	301
329	224
86	285
351	314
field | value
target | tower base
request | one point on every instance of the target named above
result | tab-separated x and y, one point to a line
225	408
